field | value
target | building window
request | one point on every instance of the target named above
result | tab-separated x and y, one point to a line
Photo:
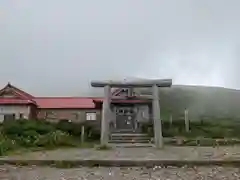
50	115
8	117
131	111
128	111
120	111
91	116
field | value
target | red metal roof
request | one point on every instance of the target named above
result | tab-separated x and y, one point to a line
20	97
123	100
20	93
24	98
15	101
65	102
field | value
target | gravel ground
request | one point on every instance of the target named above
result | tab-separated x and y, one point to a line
102	173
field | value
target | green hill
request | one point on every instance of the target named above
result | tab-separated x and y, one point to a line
202	102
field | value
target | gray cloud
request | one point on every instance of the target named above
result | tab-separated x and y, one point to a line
57	47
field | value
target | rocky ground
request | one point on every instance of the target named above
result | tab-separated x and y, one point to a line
103	173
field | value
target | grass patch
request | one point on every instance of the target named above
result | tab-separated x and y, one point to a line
211	132
215	129
203	142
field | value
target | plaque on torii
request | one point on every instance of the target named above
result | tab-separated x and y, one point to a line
106	111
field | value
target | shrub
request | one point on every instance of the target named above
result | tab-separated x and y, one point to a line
64	125
56	138
74	129
27	138
206	142
6	145
19	127
214	132
172	132
148	128
30	133
68	127
92	134
180	124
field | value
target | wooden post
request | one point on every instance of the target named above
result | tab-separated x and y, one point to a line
82	134
187	128
170	120
158	138
105	116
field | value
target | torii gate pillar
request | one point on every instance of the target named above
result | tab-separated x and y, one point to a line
158	137
106	115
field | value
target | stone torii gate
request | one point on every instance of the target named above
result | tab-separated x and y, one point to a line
106	111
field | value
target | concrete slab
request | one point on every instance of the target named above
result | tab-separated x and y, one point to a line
139	156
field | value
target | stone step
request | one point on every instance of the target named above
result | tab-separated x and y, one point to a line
129	134
125	131
130	138
131	145
129	141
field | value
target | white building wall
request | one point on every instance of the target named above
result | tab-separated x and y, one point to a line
14	109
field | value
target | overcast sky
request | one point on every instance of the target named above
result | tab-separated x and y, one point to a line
56	47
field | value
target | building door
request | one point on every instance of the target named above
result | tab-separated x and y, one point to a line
125	118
